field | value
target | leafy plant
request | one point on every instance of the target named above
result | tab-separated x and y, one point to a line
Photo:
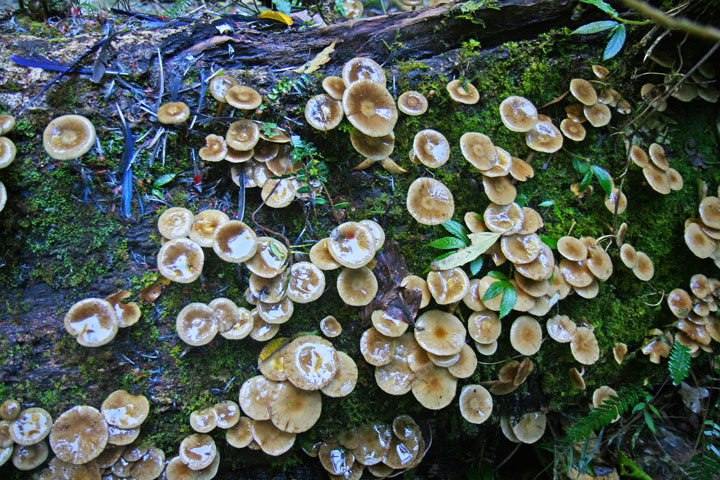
469	247
161	181
705	464
314	169
178	8
501	287
602	416
615	28
679	363
590	171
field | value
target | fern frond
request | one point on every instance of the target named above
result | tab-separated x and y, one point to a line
617	405
178	8
679	363
706	464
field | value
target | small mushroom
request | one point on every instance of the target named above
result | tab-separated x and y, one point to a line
479	150
323	112
7	124
362	68
377	232
173	113
584	346
439	332
243	97
242	135
7	152
598	115
180	260
197	451
219	85
430	202
196	324
387	324
330	327
278	192
234	242
79	435
377	349
227	414
476	404
499	190
175	222
484	326
544	137
310	362
294	410
31	426
255	395
561	328
412	103
463	92
320	256
203	421
518	114
448	286
583	91
92	322
343	383
644	270
370	108
272	440
373	148
431	148
9	410
28	457
306	282
619	352
526	335
214	150
351	245
68	137
530	428
466	365
270	258
123	410
334	86
240	435
602	395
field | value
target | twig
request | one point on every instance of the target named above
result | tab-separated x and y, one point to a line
672	23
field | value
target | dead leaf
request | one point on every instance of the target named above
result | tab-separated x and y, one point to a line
320	59
277	16
153	291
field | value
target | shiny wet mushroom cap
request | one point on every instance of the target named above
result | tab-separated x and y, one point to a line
434	388
294	410
196	324
180	260
572	130
240	435
710	211
644	270
124	410
584	346
343	383
476	403
377	349
7	152
373	148
479	150
270	258
205	224
351	244
197	451
31	426
412	103
310	362
175	222
583	91
561	328
278	192
518	114
10	409
92	322
242	135
448	286
544	137
214	150
500	190
657	179
357	286
255	395
68	137
323	112
334	86
203	421
79	435
484	327
526	335
530	428
173	113
440	332
362	68
243	97
598	115
430	202
370	108
7	124
234	242
306	282
431	148
219	85
330	327
463	92
272	440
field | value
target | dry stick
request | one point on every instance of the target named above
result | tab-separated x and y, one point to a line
671	23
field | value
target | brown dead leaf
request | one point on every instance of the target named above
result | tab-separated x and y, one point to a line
320	59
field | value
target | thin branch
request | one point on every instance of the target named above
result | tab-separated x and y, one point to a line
672	23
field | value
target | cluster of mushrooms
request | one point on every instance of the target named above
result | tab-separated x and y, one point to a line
637	260
697	325
699	84
285	399
384	449
657	170
7	151
702	235
197	458
95	321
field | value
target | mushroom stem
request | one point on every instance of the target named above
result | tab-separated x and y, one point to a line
219	109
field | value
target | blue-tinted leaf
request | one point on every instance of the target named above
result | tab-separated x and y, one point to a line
508	300
616	42
604	178
546	203
498	275
476	265
494	290
447	243
596	27
282	6
602	5
163	180
458	230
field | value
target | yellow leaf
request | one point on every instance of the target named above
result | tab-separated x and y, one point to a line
277	16
320	59
273	346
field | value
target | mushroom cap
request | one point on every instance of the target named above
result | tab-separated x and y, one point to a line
377	349
310	362
262	331
466	365
197	451
377	232
175	222
530	427
657	179
10	409
576	274
658	157
370	108
373	148
323	112
265	151
335	459
584	346
68	137
444	361
343	383
31	426
412	103
238	156
598	115
698	241
255	395
439	332
644	270
27	457
639	156
330	327
572	130
7	152
272	440
499	190
242	135
599	262
544	137
320	256
502	165
476	403
561	328
710	211
150	466
612	199
602	395
351	244
505	219
521	171
521	249
484	326
583	91
430	202
276	313
269	290
541	268
121	437
534	288
387	324
448	286
675	179
414	281
173	113
472	298
518	114
278	192
463	92
362	69
294	410
700	285
526	335
619	352
243	97
334	86
357	286
3	196
306	282
196	324
431	148
270	258
180	260
486	348
203	421
234	242
79	435
227	413
240	435
214	150
219	85
92	322
373	444
479	150
628	255
124	410
434	388
7	124
395	377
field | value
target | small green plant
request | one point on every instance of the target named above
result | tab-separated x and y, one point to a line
590	171
615	27
501	287
469	247
602	416
679	363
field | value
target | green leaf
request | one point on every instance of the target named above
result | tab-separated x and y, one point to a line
580	166
679	363
616	42
494	290
157	192
342	205
521	199
476	265
481	241
458	230
276	250
595	27
163	180
320	201
508	300
603	178
282	6
649	421
340	6
447	243
546	203
550	242
585	183
602	5
498	275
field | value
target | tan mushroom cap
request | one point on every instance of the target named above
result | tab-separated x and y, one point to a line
599	263
306	282
269	290
180	260
602	395
27	457
645	269
92	322
351	244
675	179
561	328
335	459
227	413
197	451
175	222
31	426
484	326
276	313
572	130
598	115
375	147
370	108
658	157
9	410
698	241
466	365
639	156
463	92
79	435
439	332
434	388
310	362
628	255
448	286
430	202
262	331
526	335
479	150
7	152
234	241
657	179
205	224
499	190
7	124
196	324
521	249
271	439
120	436
203	421
68	137
357	286
238	156
613	198
124	410
214	150
486	349
270	258
541	268
278	192
219	85
583	91
373	444
505	219
240	435
294	410
444	361
619	352
395	377
518	114
502	165
414	281
242	135
576	274
431	148
544	137
476	403
320	256
150	466
243	97
520	170
173	113
534	288
323	112
700	285
377	349
710	211
330	327
334	86
265	151
412	103
343	383
362	69
472	298
531	427
255	395
3	196
388	325
584	346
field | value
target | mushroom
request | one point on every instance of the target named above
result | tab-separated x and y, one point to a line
240	435
541	268
521	249
278	193
584	346
430	202
351	245
294	410
234	241
644	270
180	260
323	112
599	263
526	335
270	258
126	411
561	328
310	362
387	324
269	290
544	137
335	459
601	395
121	437
197	451
227	414
499	190
7	124
92	322
79	435
484	326
272	440
7	152
502	164
518	114
219	85
598	115
572	130
320	256
31	426
362	69
127	314
373	444
242	135
583	91
276	313
262	331
416	282
576	274
479	150
149	466
448	286
434	388
196	324
439	332
173	113
370	108
28	457
521	171
306	282
377	349
466	365
68	137
463	92
255	395
3	196
412	103
619	352
343	383
431	148
243	97
9	410
214	150
330	327
530	428
377	232
476	403
373	148
395	377
334	86
505	219
203	421
175	222
238	156
357	286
